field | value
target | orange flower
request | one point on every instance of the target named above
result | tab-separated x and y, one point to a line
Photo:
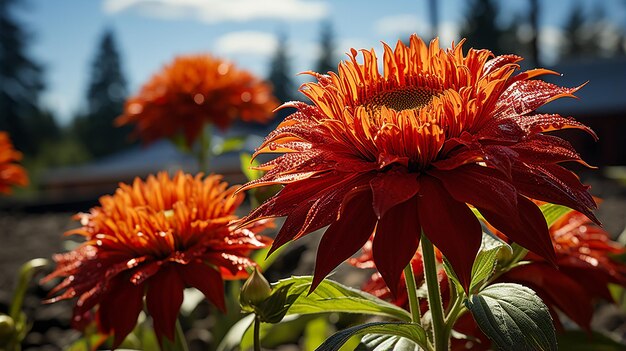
10	173
155	238
407	150
192	91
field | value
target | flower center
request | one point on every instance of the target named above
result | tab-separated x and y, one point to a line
401	99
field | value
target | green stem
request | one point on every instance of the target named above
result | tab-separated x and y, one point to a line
204	150
257	333
411	289
27	271
440	336
180	342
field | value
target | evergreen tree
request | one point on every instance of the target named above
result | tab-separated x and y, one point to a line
20	82
280	72
280	77
480	28
106	94
327	61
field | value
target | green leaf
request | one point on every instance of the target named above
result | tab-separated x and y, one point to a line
552	212
331	296
274	308
513	317
315	333
234	143
577	340
232	339
411	331
247	163
381	342
492	248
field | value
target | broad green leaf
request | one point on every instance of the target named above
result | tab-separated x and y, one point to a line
411	331
486	261
380	342
331	296
315	333
513	317
552	212
246	167
274	308
577	340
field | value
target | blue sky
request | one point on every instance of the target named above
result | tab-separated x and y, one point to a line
151	32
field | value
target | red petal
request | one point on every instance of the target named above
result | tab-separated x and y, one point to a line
549	122
546	149
320	210
391	188
499	62
163	299
119	309
554	184
526	96
396	241
206	279
451	226
526	226
479	186
345	236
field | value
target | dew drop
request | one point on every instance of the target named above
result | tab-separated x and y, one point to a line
162	234
99	242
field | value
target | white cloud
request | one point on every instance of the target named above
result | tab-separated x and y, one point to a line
246	42
400	24
216	11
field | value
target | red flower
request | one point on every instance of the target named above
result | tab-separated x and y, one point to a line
583	269
192	91
155	238
10	172
407	150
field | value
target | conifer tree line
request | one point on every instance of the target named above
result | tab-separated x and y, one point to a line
92	135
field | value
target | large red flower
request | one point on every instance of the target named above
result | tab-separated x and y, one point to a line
406	151
10	172
193	91
153	239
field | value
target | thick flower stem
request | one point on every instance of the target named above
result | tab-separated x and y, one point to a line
257	332
440	334
411	289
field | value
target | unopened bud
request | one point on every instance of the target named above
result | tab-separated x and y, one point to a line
255	290
7	328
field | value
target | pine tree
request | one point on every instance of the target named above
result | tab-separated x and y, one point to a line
280	72
20	81
326	61
105	100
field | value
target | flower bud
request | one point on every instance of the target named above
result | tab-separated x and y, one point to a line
7	328
255	290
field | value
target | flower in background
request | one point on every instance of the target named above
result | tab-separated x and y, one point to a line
10	173
155	238
193	91
406	151
584	269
